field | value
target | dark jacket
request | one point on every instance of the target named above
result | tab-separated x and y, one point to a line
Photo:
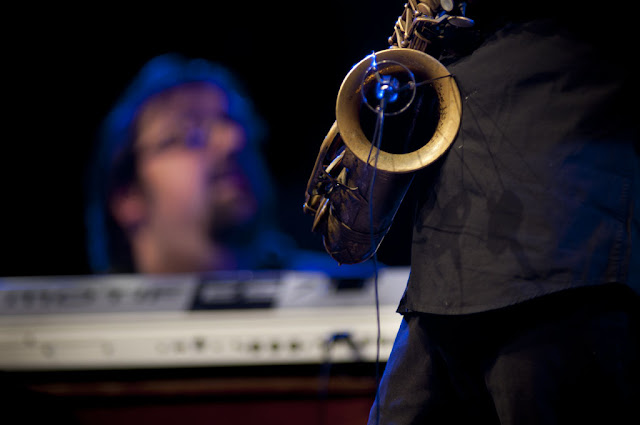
540	191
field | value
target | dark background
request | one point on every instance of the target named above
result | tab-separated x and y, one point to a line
65	68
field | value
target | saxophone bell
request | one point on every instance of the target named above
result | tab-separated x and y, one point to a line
357	185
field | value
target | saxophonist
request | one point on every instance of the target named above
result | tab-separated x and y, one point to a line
522	304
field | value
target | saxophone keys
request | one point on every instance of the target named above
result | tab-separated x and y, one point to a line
460	21
447	5
424	9
322	210
431	4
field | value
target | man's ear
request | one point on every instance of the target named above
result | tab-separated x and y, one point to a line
128	207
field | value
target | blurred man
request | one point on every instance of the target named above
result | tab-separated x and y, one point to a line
178	184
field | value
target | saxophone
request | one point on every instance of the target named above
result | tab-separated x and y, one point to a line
387	106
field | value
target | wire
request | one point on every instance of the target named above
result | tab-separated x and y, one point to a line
377	140
325	375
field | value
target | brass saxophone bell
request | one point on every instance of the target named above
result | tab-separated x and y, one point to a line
424	68
356	186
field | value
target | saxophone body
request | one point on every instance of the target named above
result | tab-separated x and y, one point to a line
397	111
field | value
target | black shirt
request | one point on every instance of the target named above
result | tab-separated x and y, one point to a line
540	190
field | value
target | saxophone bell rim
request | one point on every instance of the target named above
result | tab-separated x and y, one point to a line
422	65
